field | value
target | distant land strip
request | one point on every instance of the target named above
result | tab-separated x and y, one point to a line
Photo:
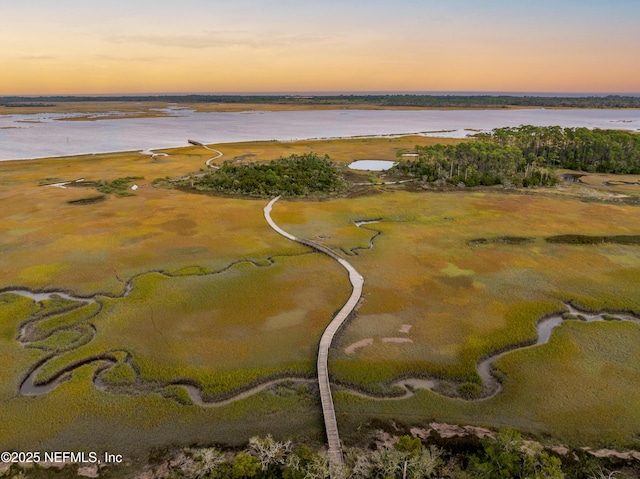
382	101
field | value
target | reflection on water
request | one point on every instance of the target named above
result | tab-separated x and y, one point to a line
52	295
40	135
371	165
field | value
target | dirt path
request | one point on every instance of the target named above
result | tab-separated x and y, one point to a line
357	281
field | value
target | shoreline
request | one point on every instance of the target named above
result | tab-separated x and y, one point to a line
217	128
155	151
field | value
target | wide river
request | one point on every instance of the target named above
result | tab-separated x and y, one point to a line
47	134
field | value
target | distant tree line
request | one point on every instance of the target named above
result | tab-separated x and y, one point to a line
17	104
408	100
602	151
506	101
295	175
525	156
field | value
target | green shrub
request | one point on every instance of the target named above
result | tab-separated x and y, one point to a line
295	175
118	186
508	456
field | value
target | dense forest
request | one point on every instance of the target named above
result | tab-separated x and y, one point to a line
295	175
603	151
474	164
395	100
525	156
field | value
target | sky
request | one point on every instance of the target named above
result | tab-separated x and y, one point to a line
235	46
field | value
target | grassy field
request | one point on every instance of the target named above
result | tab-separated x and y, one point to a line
463	302
90	248
241	325
580	388
221	300
79	416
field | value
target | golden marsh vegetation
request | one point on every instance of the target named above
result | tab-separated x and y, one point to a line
463	301
220	300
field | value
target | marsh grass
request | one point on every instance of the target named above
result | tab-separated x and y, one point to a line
56	304
80	417
14	358
53	322
228	330
120	374
466	302
232	322
61	340
97	248
14	308
178	394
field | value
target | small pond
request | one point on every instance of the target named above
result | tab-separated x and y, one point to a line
372	165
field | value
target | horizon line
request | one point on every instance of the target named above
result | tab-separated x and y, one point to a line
338	93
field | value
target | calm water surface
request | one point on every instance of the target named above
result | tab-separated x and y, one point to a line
46	134
371	165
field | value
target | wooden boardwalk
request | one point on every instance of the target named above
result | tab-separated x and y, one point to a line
328	411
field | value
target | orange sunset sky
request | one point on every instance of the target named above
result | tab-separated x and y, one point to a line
144	46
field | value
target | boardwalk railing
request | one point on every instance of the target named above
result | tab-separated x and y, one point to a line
357	281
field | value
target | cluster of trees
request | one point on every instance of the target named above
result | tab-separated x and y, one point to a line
476	163
295	175
424	101
525	156
604	151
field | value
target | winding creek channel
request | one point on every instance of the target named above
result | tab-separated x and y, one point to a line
85	331
491	385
